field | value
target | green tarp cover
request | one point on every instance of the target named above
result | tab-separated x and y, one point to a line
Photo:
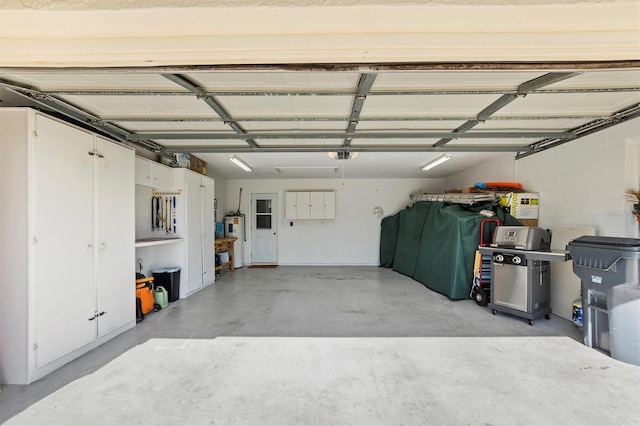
388	239
409	234
436	244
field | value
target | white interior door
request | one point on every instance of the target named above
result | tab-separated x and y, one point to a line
64	252
264	235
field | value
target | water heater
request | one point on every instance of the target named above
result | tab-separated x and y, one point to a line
234	227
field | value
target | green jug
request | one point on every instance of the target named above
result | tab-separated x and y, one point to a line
161	296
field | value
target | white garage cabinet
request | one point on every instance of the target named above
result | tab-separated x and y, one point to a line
68	243
200	232
310	205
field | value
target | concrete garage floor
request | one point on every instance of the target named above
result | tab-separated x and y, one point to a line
332	345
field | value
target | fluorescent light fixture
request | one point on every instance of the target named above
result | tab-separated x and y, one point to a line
436	162
238	162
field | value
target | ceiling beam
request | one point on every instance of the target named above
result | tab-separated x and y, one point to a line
361	119
504	100
339	92
344	66
373	148
344	135
212	102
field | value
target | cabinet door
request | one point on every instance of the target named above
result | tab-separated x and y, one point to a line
143	171
290	206
303	209
162	176
316	199
115	236
193	275
208	230
330	205
63	237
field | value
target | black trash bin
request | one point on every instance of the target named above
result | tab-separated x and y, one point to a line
609	270
169	278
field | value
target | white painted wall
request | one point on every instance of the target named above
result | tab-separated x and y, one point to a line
583	182
500	169
221	193
353	238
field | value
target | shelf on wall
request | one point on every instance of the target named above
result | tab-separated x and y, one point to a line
156	241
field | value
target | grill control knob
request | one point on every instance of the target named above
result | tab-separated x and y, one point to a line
516	260
499	258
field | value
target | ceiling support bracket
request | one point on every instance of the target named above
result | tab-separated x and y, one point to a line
506	99
364	86
213	103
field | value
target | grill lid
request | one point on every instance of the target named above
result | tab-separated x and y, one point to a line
522	238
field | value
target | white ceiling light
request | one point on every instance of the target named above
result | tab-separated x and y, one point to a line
436	162
342	155
238	162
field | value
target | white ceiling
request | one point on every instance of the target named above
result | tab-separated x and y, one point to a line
313	105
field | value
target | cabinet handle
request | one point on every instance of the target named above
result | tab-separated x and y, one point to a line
100	156
103	246
89	247
91	153
96	315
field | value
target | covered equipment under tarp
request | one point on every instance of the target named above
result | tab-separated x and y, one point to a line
388	239
436	244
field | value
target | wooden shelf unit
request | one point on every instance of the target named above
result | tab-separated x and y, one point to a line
225	244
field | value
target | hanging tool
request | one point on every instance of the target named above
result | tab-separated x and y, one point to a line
159	215
167	215
155	203
174	216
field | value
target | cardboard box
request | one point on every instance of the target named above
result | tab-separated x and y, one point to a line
522	205
182	160
528	222
197	165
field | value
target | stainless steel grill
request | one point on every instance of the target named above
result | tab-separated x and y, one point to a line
520	270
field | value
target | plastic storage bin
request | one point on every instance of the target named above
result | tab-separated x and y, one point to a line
609	270
169	278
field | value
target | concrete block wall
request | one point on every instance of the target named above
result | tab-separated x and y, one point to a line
583	182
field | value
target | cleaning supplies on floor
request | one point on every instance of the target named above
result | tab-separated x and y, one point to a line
576	309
